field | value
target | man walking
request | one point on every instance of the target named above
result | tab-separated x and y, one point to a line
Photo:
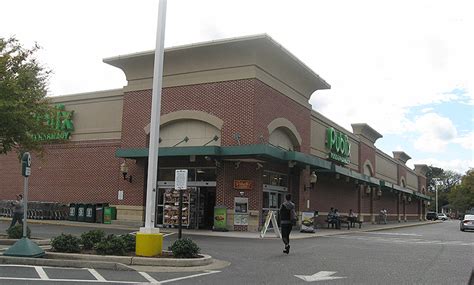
287	218
18	209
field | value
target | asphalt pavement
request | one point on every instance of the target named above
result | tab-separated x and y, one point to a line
430	254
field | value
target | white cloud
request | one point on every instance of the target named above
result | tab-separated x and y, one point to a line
458	165
435	132
466	141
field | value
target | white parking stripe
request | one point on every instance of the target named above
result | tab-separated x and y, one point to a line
41	273
168	234
190	276
96	274
70	280
149	278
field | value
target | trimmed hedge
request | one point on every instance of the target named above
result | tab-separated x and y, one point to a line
184	248
66	243
16	232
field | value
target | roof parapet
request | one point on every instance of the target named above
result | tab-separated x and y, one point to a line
421	169
366	131
401	156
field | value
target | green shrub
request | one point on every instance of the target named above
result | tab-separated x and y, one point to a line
184	248
16	232
66	243
111	245
90	238
130	242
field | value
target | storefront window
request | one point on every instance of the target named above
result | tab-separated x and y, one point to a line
275	179
205	174
166	174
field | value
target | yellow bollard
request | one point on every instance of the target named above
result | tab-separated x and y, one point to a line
149	244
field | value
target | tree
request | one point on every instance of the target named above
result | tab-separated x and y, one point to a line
462	196
23	102
442	180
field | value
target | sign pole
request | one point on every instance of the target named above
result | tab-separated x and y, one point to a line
180	216
25	247
25	207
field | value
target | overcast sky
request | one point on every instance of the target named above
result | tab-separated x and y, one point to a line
406	68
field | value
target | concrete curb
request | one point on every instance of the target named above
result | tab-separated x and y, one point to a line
132	260
13	241
78	224
64	263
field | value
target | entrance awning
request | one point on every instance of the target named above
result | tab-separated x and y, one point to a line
260	150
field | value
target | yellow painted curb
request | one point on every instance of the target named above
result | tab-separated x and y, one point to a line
149	244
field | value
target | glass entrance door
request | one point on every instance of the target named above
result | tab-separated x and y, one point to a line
271	202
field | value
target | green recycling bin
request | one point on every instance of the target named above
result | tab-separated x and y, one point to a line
114	213
107	215
81	213
73	211
90	213
99	212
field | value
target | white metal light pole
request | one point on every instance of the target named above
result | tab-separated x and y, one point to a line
151	189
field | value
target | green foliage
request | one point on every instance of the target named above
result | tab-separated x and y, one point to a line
130	241
23	89
184	248
461	197
111	245
16	232
90	238
66	243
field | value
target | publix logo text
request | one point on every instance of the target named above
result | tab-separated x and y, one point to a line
338	145
61	121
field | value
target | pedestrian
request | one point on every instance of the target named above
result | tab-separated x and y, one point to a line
385	214
18	208
287	218
337	218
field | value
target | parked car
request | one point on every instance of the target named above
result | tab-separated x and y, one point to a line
442	216
467	223
431	216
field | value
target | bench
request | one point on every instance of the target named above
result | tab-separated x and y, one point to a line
337	223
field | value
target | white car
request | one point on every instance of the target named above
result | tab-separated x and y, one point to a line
467	223
442	216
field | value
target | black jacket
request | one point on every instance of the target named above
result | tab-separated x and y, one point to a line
285	212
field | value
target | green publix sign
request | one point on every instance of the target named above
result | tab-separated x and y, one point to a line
338	145
60	121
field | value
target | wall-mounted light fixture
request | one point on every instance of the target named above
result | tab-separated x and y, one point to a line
379	192
313	178
338	176
242	193
367	190
259	165
124	170
236	164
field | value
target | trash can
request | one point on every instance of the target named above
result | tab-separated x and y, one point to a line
81	213
107	215
90	213
73	211
114	212
99	212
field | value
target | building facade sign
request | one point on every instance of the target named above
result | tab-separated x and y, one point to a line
338	145
243	184
60	121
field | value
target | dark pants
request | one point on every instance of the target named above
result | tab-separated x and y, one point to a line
17	217
285	233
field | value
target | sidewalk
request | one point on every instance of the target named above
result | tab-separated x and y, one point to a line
295	234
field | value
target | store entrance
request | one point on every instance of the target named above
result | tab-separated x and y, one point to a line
198	207
207	202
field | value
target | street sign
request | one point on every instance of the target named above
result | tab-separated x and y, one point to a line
26	164
181	179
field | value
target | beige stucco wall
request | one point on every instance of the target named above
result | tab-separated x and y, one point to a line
97	115
386	167
279	138
198	132
319	124
412	180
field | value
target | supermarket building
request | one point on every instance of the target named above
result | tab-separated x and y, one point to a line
236	114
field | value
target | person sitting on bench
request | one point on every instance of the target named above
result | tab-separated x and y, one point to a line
352	218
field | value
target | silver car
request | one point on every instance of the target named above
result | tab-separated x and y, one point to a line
467	223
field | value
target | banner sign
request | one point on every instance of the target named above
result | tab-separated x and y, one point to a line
220	218
271	217
307	225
